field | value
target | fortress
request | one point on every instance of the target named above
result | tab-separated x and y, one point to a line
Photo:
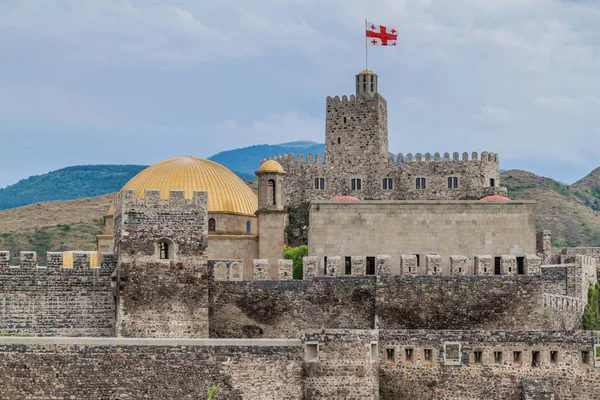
423	281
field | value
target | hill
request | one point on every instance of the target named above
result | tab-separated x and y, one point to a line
247	159
570	212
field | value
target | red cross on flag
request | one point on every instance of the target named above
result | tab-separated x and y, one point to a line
379	35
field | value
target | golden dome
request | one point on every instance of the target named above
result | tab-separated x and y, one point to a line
227	193
271	166
366	72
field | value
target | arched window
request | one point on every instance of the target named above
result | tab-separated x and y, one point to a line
165	249
212	225
248	227
271	201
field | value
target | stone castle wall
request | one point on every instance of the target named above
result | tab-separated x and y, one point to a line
445	228
58	300
92	368
162	297
505	359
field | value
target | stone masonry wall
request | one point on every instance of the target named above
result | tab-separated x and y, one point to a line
503	360
149	369
462	302
446	228
59	301
162	297
280	309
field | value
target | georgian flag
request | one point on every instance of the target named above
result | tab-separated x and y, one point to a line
379	35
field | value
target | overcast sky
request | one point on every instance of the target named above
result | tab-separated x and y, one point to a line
139	81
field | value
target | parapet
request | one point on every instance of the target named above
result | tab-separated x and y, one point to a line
563	303
455	157
288	160
152	198
56	260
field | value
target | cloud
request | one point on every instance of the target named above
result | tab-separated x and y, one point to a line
493	114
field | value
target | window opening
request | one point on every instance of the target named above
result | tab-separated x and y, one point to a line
370	265
319	183
553	356
348	261
517	357
408	353
390	354
271	193
344	122
388	183
452	182
371	78
311	352
497	357
364	87
371	87
356	184
164	250
325	265
535	358
374	352
497	265
420	183
364	78
339	140
212	225
248	227
427	353
520	265
478	355
418	260
492	182
585	357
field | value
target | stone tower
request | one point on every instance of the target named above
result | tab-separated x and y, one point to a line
162	264
271	214
356	128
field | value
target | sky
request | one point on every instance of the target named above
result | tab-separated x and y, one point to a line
139	81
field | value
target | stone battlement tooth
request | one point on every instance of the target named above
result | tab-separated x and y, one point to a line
54	260
455	157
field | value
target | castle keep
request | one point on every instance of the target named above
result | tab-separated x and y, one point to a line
417	285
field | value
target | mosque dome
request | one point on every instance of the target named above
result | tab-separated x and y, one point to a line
366	72
495	198
271	166
344	198
227	193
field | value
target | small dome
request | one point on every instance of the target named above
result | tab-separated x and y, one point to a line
366	72
227	193
271	166
495	198
344	198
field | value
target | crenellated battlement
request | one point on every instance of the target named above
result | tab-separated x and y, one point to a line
563	303
352	99
446	157
57	260
152	198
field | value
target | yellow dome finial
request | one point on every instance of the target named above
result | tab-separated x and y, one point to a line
366	72
271	166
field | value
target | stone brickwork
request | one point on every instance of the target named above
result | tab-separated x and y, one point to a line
163	285
359	265
310	267
468	228
433	264
384	265
28	259
285	270
508	265
280	309
409	264
334	266
544	246
458	265
226	270
483	266
91	368
347	366
261	270
532	264
57	300
493	364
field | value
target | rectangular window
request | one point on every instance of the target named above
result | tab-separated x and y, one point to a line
371	78
374	352
320	183
492	182
325	265
535	358
585	357
370	265
418	260
553	356
452	182
390	355
427	354
497	265
348	261
364	87
388	183
408	355
364	78
520	265
371	87
497	357
311	352
478	357
356	184
517	357
421	183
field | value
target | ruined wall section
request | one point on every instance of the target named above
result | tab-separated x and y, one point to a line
462	302
162	297
136	369
280	309
76	299
501	359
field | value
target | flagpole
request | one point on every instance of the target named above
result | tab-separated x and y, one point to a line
366	47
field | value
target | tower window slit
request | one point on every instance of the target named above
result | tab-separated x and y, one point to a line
164	250
212	225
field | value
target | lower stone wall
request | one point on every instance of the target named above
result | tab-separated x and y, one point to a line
556	357
555	279
92	368
45	301
461	302
280	309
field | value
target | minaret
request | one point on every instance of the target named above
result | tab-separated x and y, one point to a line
271	214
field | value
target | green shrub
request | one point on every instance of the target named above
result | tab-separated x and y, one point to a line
591	318
296	254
